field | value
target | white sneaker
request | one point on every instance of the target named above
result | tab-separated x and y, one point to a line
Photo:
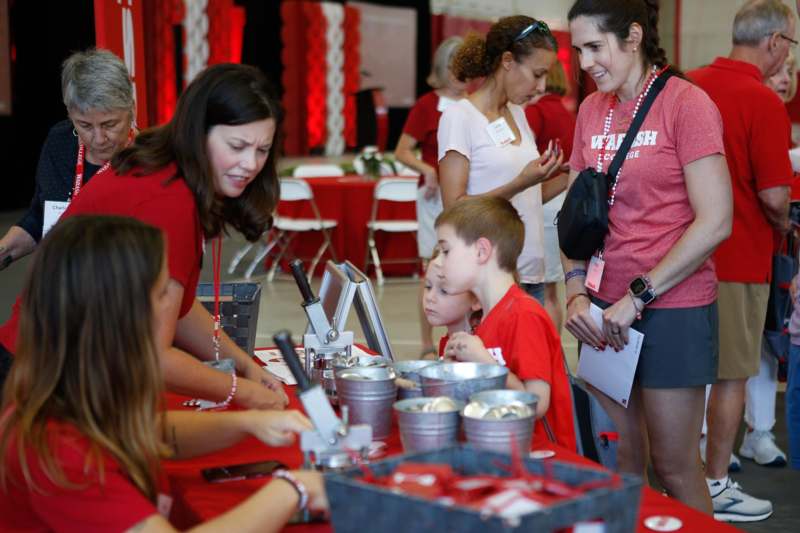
760	447
734	465
733	505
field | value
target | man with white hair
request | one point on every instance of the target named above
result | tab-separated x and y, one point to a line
756	136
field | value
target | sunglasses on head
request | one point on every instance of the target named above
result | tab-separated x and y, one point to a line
536	26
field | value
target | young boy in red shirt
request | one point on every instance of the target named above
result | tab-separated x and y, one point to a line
480	239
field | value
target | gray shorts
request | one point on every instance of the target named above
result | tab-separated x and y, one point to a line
680	348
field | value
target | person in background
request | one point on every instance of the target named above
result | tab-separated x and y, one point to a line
81	427
756	134
669	210
485	144
550	120
758	443
420	131
212	166
98	94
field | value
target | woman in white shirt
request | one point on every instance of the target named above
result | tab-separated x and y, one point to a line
485	143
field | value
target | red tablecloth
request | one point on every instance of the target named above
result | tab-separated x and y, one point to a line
196	501
348	200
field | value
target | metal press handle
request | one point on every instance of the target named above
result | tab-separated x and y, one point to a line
302	282
283	340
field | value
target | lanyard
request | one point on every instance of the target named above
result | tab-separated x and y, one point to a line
79	165
216	259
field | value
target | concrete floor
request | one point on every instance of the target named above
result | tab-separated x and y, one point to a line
397	300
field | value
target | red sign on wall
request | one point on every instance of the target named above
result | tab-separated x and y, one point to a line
119	28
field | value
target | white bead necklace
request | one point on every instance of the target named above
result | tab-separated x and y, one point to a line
607	129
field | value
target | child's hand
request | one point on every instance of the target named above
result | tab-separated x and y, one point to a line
465	347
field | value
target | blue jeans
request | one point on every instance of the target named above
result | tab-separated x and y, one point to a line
793	406
534	289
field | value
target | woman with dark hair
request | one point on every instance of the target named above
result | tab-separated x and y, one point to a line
81	426
669	209
485	144
213	164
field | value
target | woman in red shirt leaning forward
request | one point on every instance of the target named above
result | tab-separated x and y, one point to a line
81	430
211	166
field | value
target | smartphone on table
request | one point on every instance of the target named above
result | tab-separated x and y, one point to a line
241	471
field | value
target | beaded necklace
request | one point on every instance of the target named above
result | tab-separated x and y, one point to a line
654	74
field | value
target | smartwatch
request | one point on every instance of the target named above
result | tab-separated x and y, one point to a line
642	288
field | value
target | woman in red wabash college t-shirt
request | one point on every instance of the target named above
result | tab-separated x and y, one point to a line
670	208
81	426
212	165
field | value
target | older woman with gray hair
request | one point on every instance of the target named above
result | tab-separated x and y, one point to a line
98	95
420	131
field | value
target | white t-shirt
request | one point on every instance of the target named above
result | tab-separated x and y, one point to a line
463	128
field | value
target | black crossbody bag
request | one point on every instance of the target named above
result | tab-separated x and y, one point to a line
583	219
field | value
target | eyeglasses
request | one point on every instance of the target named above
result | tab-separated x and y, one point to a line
539	26
794	42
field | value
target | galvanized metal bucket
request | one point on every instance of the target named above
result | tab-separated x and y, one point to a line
422	431
368	394
460	380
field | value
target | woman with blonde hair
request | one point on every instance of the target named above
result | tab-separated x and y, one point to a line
81	426
420	131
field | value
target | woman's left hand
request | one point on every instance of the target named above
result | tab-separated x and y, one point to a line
257	373
616	321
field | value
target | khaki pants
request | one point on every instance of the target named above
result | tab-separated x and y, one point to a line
742	313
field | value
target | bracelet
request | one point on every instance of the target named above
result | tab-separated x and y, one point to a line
302	492
572	298
635	306
232	393
575	273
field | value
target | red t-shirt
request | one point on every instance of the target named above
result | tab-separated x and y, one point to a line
519	334
549	120
154	199
757	133
443	344
422	123
113	505
652	209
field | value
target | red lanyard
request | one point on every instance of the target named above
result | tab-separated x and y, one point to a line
216	259
79	165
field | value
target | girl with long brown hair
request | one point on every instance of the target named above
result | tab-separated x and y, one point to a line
81	429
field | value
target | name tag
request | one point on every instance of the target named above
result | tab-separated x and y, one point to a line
52	212
500	132
594	274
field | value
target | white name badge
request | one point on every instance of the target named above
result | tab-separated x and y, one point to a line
594	274
52	212
500	132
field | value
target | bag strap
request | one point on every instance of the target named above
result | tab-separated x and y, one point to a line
619	158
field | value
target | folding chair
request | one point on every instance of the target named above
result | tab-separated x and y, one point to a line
284	230
392	190
317	171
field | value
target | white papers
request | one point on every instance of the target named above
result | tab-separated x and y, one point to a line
275	365
794	157
609	371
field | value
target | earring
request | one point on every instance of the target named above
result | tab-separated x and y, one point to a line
74	133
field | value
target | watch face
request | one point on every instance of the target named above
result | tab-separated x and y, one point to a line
638	286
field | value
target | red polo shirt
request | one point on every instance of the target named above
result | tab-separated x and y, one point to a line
756	132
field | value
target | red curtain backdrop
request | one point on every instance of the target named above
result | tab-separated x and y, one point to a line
352	74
